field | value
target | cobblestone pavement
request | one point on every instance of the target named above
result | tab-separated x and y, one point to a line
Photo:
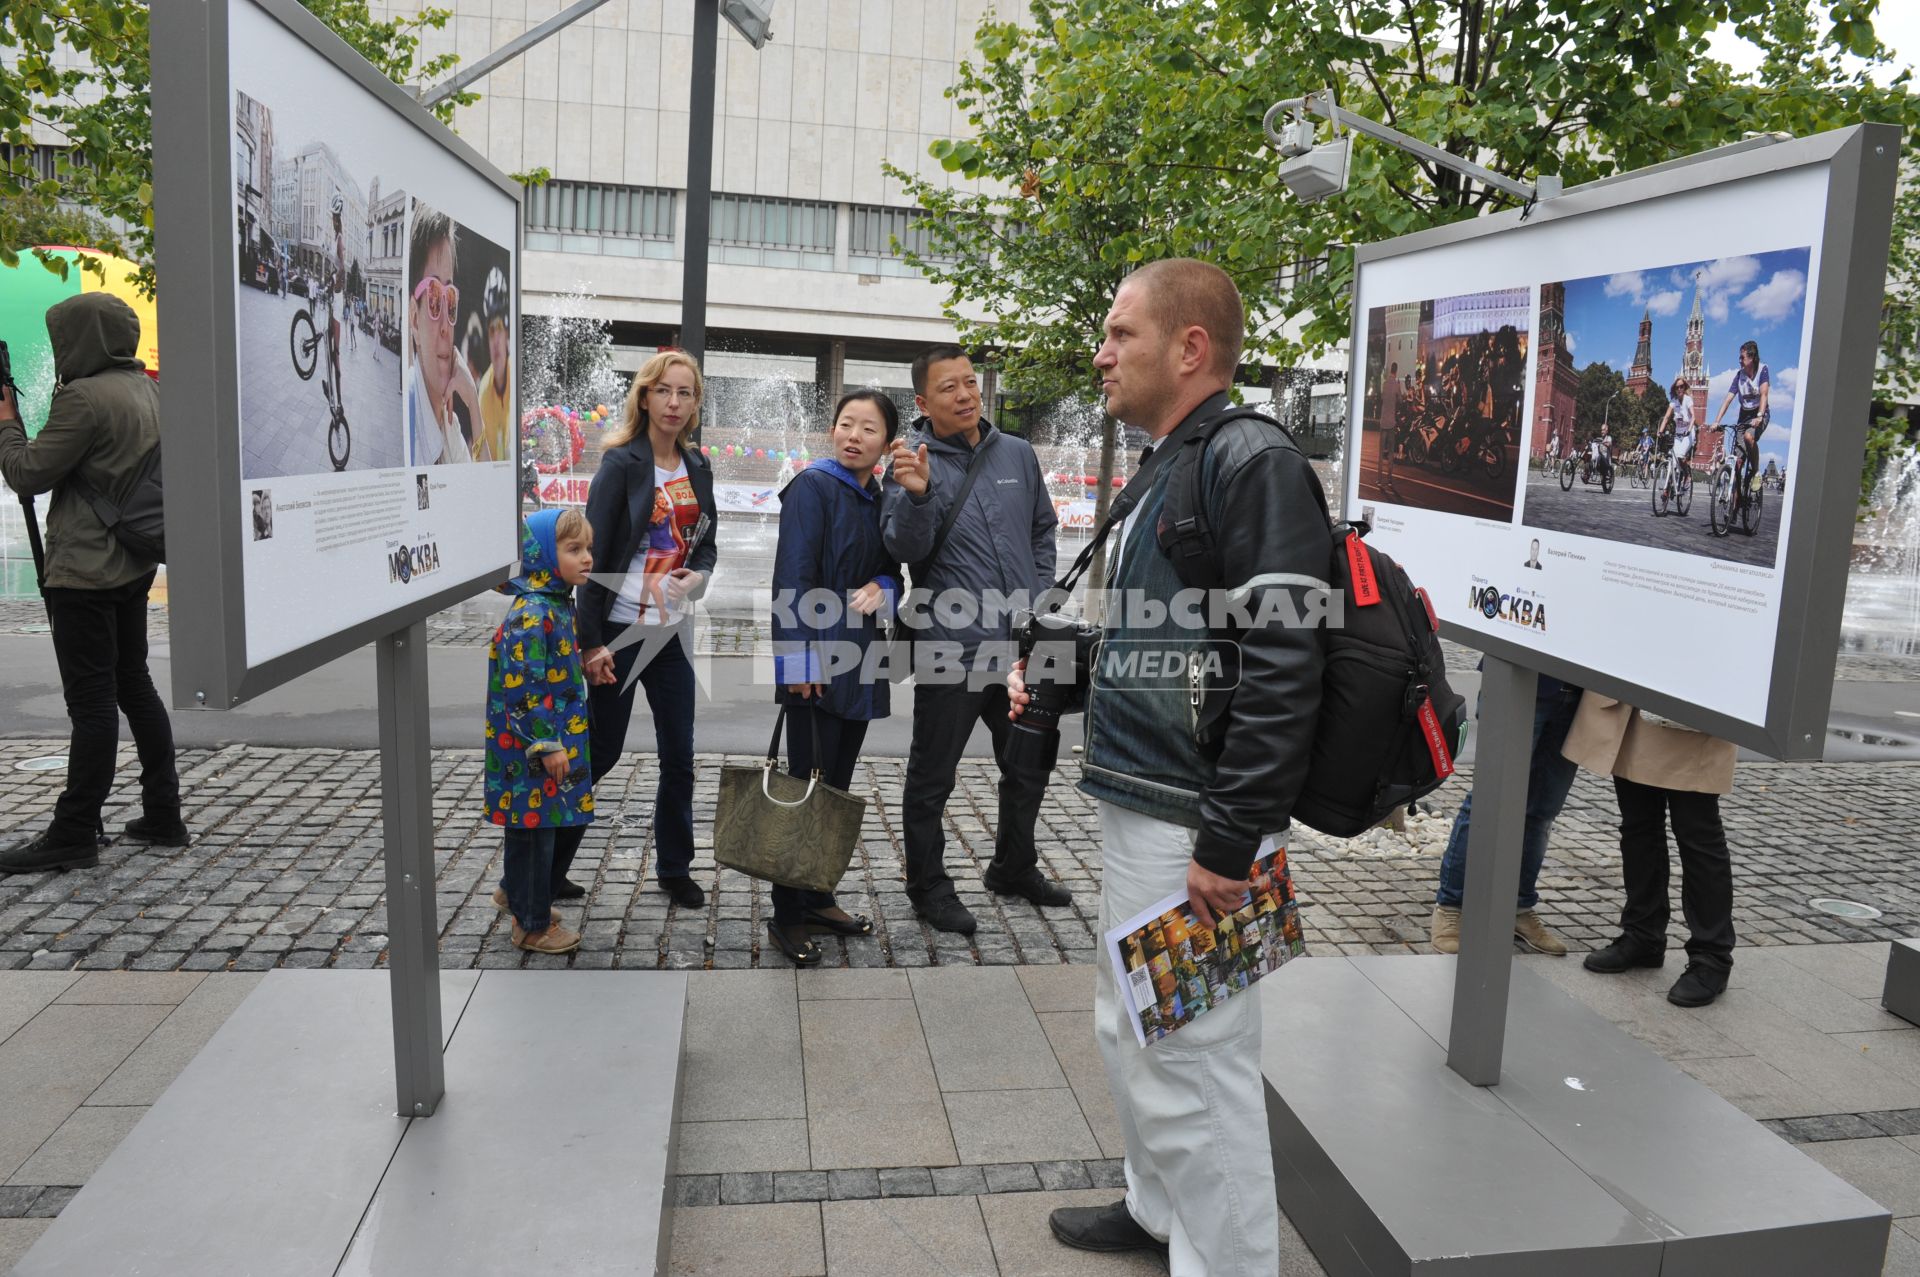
286	871
1626	515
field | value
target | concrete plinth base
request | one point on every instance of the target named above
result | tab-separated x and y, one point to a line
277	1150
1593	1157
1902	994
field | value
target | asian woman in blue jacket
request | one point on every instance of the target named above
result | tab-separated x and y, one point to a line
830	543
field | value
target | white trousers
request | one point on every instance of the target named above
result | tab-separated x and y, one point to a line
1192	1106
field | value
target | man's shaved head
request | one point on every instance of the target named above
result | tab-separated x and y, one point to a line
1183	292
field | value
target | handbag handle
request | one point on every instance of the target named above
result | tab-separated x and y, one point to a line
773	757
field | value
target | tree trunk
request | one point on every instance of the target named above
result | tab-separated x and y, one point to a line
1102	502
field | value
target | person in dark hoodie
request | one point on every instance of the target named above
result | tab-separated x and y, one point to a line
102	424
538	780
830	543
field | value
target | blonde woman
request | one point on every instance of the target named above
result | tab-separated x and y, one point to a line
651	507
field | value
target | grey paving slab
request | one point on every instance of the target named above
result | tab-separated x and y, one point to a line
1896	1049
1019	1126
767	1144
1756	1088
1071	1033
872	1099
1637	1002
1022	1243
782	1240
821	985
286	1119
1058	988
908	1237
74	1152
1848	1082
1859	969
1810	998
1903	1254
17	1236
49	1067
23	994
743	1047
981	1030
171	1047
590	1123
1886	1170
168	988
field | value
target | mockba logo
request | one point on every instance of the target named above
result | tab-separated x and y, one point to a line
407	562
1516	609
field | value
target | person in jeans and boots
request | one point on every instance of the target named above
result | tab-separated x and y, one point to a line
1549	778
999	548
830	546
1188	795
102	424
652	509
1659	770
538	778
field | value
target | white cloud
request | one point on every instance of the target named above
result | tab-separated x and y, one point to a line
1567	335
1628	284
1666	303
1728	274
1775	299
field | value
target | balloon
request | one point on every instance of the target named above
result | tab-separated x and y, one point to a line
760	454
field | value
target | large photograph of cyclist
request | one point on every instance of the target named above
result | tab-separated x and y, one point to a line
1443	405
319	264
1665	403
458	343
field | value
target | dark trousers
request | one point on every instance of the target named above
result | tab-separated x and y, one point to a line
667	679
528	875
840	741
943	719
1706	870
100	642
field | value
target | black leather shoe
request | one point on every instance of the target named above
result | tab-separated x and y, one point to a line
1032	886
160	833
40	854
570	890
685	892
947	914
1622	955
1102	1228
1697	986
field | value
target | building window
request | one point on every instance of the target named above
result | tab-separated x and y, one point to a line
753	230
876	229
593	208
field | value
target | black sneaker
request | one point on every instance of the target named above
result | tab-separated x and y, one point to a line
571	890
1102	1228
161	833
1697	986
946	914
1032	886
40	853
1624	954
685	892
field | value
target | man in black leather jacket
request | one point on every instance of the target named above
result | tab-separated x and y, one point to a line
1191	787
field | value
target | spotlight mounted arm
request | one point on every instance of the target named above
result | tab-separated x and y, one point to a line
1297	139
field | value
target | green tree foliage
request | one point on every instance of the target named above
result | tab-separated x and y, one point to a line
78	70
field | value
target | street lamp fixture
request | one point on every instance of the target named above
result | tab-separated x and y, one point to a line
753	19
1314	171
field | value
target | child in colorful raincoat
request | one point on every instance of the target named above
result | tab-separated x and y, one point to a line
537	773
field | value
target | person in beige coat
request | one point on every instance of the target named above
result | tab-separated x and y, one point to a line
1660	770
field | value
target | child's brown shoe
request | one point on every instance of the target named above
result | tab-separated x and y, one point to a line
555	939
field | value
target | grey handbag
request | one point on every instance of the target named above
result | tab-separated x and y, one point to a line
776	827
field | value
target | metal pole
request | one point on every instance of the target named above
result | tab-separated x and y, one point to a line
693	278
406	807
1504	751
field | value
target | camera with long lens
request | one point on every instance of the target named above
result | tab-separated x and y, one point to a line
1059	652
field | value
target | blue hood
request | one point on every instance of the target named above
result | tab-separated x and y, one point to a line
539	557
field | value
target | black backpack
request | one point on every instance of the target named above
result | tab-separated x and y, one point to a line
140	522
1389	722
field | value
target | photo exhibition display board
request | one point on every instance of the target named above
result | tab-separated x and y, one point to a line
362	380
1513	373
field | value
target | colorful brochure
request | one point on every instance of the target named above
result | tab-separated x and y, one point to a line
1172	971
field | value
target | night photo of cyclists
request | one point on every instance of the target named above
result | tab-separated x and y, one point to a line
1674	365
320	266
1446	384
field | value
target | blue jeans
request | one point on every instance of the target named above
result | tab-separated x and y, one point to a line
1549	777
527	876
